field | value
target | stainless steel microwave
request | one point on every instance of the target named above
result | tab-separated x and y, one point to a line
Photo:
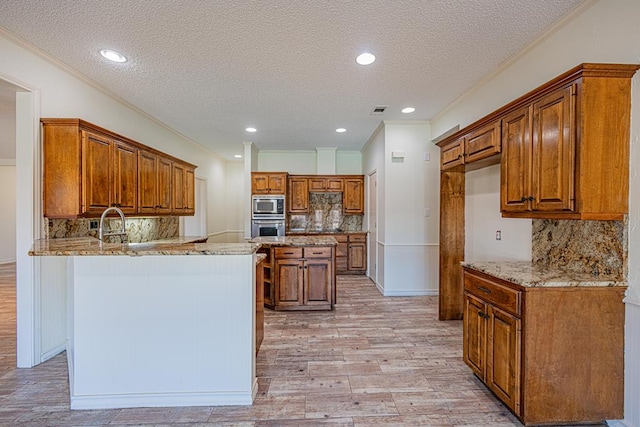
267	207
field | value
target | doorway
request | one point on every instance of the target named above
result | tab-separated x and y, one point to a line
372	215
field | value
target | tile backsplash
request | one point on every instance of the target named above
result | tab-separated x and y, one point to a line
325	214
595	247
138	229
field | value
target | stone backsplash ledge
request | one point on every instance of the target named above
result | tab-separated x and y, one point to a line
138	229
594	247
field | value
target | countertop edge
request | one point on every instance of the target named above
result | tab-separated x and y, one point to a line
529	275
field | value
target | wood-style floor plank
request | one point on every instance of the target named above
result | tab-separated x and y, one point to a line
374	361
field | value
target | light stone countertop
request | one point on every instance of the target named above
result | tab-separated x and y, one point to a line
88	246
295	241
528	274
314	232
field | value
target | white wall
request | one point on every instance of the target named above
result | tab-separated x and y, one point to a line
608	31
373	160
305	162
483	219
8	212
407	239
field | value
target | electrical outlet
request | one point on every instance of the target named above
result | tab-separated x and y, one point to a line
427	156
427	212
93	224
498	235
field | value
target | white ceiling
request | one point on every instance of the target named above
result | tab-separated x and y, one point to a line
209	69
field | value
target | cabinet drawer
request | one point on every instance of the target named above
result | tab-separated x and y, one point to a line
341	250
498	295
341	238
321	252
288	252
358	238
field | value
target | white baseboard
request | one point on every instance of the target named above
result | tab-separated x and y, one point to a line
154	400
411	293
53	352
618	423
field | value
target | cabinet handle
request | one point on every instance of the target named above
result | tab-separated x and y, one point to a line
524	199
531	198
317	253
483	289
288	253
481	314
305	267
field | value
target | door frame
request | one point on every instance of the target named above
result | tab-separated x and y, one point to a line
28	223
372	250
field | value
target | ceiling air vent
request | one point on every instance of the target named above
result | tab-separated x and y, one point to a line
379	109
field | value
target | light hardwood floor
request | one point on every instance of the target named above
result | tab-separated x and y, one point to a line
374	361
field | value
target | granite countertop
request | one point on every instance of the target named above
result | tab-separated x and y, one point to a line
312	232
295	241
528	274
88	246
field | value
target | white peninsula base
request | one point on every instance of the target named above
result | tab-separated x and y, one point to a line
161	331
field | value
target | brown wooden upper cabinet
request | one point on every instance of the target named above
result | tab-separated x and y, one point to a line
353	198
325	184
154	183
268	182
298	195
88	169
182	200
564	145
566	150
477	145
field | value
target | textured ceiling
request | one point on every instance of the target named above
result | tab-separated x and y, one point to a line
211	68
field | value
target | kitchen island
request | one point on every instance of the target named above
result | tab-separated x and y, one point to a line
170	323
299	272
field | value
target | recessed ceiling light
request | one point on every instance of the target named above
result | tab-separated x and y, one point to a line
341	130
237	156
408	110
365	58
112	55
251	129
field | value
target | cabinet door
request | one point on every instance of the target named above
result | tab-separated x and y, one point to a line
474	334
298	195
189	191
452	154
554	151
277	183
318	278
317	184
335	184
97	179
357	256
164	184
125	188
177	183
147	182
503	357
259	183
515	164
353	197
482	143
290	282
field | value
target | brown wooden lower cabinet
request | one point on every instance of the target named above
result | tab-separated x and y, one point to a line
552	355
351	253
299	278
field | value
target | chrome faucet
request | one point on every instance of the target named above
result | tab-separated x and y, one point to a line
122	233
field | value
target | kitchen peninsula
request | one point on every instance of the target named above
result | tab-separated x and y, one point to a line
158	324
